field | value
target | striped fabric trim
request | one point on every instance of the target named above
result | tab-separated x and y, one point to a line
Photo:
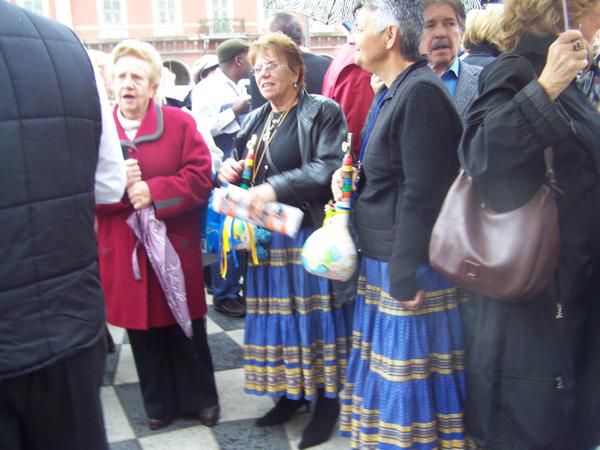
367	431
287	306
294	371
281	257
417	369
435	301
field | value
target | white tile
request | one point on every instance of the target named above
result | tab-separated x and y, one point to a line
237	336
116	333
235	403
212	327
115	419
126	372
193	438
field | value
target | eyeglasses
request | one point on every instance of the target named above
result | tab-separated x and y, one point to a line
270	67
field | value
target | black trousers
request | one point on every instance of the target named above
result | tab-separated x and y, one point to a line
176	373
57	407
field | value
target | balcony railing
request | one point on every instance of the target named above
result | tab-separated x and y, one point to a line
222	26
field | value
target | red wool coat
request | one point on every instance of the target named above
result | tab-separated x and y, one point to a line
176	164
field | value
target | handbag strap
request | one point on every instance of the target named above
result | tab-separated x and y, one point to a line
550	175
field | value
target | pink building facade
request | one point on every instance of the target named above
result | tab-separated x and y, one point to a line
181	30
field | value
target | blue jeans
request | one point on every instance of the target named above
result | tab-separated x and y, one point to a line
227	288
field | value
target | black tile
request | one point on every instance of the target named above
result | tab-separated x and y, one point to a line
244	435
226	353
131	444
130	397
225	322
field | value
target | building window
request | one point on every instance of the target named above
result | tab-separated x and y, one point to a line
111	12
112	19
221	16
167	17
167	12
36	6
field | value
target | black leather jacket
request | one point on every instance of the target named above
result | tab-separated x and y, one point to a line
321	130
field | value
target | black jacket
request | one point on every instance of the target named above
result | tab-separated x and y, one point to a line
409	163
321	131
481	54
533	367
51	302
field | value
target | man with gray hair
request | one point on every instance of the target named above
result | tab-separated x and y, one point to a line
405	383
441	42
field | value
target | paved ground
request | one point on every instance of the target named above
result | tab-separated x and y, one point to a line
126	419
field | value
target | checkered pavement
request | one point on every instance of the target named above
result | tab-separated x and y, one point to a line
126	421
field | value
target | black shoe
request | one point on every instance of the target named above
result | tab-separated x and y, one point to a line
209	416
230	307
282	412
322	423
157	424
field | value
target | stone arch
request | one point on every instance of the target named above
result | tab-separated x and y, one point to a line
181	71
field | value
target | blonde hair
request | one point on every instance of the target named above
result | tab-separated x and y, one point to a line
483	25
283	46
143	51
540	17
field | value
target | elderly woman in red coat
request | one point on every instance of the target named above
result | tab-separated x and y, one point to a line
168	178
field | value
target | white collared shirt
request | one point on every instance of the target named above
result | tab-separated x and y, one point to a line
210	96
111	177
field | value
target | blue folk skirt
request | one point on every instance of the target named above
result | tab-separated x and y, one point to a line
405	382
296	339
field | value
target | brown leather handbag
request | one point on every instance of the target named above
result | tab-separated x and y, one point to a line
512	255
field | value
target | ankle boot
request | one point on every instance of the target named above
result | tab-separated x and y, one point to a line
281	412
322	423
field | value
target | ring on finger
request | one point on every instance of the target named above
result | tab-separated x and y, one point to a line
577	46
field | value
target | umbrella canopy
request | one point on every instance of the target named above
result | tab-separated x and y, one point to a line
332	11
325	11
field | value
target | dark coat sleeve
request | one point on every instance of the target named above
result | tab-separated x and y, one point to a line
511	122
429	136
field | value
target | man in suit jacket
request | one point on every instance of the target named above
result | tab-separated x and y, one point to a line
316	65
441	41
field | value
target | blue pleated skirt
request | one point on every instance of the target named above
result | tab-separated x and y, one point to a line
405	383
296	339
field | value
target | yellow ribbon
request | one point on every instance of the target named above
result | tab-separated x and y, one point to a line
226	243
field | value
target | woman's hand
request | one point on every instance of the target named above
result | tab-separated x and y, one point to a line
567	56
259	196
139	195
416	303
231	170
337	182
134	173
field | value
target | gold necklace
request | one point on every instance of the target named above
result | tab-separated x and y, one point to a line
266	136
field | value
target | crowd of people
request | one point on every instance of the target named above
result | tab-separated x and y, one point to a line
103	207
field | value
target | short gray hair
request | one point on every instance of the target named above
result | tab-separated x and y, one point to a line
406	15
